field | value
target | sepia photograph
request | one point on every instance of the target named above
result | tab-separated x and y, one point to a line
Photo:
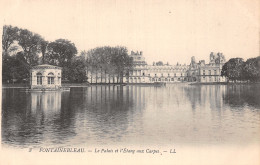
130	82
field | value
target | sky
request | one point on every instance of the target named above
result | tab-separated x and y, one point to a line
169	31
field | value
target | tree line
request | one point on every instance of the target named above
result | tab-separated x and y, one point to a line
110	64
236	69
23	49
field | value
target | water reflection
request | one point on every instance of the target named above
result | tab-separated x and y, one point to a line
101	115
242	95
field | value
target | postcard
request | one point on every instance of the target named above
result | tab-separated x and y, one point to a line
130	82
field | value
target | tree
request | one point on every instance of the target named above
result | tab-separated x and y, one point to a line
233	69
31	45
60	52
122	61
10	34
20	52
77	70
251	69
159	63
15	68
111	61
44	45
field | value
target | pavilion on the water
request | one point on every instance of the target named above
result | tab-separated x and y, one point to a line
45	77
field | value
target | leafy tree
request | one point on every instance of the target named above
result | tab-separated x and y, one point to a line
60	52
111	61
31	44
122	62
14	68
77	71
251	69
233	69
20	52
159	63
10	34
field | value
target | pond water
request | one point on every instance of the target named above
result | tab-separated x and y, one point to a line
132	115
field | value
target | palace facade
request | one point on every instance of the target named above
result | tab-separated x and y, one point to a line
143	73
159	72
210	72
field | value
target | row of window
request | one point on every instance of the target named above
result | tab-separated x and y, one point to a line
50	80
210	78
159	79
166	79
162	74
209	72
50	74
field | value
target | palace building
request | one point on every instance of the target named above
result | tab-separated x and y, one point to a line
45	77
139	72
195	72
143	73
159	72
211	72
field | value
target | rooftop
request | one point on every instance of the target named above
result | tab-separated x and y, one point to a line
46	66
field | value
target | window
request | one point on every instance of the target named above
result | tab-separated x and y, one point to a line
172	79
50	78
159	79
143	74
162	74
215	72
204	72
174	74
39	79
209	72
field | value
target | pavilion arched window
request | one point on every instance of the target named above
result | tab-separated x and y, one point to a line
51	78
39	78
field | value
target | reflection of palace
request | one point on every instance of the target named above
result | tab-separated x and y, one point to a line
195	72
